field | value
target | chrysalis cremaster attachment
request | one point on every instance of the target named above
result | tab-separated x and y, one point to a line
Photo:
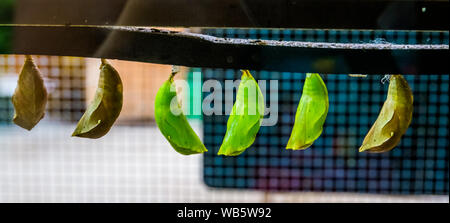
311	113
393	120
103	111
30	96
245	118
175	127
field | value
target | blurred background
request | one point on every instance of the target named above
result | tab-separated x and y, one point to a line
134	162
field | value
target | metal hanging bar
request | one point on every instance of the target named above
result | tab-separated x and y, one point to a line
197	50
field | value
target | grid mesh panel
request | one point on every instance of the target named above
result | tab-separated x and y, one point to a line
64	79
418	165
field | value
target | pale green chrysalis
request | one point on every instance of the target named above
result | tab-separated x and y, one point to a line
30	96
393	120
245	118
175	127
103	111
311	113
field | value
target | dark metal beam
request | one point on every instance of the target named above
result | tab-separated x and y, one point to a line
320	14
196	50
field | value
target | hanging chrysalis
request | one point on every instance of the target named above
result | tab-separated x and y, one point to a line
175	127
393	120
103	111
245	118
311	113
30	96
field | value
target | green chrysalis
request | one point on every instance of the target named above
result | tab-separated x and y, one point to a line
175	127
245	118
30	96
105	109
311	113
393	120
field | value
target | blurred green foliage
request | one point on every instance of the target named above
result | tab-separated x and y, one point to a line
6	16
6	11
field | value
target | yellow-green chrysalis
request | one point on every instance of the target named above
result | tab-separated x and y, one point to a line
30	96
175	127
103	111
393	120
311	113
245	118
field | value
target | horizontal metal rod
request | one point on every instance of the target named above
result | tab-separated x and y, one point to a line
197	50
320	14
